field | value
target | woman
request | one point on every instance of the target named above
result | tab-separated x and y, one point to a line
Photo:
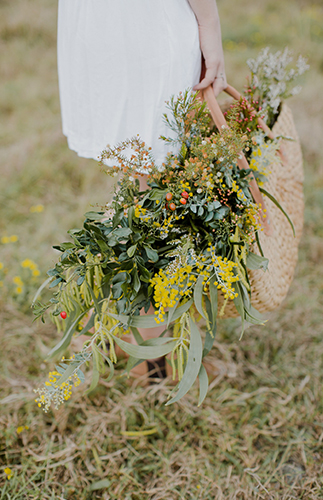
120	60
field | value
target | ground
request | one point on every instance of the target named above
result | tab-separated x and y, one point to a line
259	432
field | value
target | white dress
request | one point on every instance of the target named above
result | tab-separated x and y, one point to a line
118	62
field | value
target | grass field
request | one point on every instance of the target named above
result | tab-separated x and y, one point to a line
259	433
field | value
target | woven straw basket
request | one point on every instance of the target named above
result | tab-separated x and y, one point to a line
285	183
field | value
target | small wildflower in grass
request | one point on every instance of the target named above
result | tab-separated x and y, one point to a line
8	472
28	263
22	428
37	208
9	239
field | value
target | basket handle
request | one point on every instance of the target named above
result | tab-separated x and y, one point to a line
220	122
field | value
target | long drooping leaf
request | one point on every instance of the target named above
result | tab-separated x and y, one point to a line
204	384
65	341
96	370
278	205
88	326
210	333
214	301
149	320
160	347
255	262
198	295
171	313
238	302
193	364
67	373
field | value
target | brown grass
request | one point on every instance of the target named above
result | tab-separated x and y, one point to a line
259	432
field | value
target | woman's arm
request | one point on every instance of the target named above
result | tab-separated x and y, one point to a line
207	16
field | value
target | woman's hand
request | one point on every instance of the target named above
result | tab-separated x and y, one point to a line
211	44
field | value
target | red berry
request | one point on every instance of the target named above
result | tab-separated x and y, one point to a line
167	206
172	206
63	314
185	194
169	196
183	201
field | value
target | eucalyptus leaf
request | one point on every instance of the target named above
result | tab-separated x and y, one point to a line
255	261
204	384
198	295
193	364
65	341
146	351
132	250
278	205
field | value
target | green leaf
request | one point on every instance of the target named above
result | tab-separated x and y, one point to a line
198	291
255	261
100	485
88	326
148	320
132	250
111	366
253	316
55	282
204	384
210	333
65	341
157	194
273	199
96	369
67	373
136	334
171	313
193	364
214	300
131	213
95	300
151	254
150	349
91	215
239	304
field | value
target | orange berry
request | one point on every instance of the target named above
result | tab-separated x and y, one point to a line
183	201
169	196
172	206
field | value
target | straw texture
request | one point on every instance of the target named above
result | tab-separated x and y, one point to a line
285	183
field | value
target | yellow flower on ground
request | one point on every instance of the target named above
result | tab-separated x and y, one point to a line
1	266
8	472
19	290
28	263
21	428
9	239
37	208
36	272
17	280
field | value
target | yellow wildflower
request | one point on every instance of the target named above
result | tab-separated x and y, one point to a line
37	208
21	428
17	280
8	472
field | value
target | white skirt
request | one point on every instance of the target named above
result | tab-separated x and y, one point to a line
118	62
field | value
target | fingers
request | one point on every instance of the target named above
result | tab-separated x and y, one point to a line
219	84
209	78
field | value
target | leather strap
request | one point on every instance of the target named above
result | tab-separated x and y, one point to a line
220	122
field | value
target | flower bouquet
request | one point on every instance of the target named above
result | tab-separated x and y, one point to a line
186	245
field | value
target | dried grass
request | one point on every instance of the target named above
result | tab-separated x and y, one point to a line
259	432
